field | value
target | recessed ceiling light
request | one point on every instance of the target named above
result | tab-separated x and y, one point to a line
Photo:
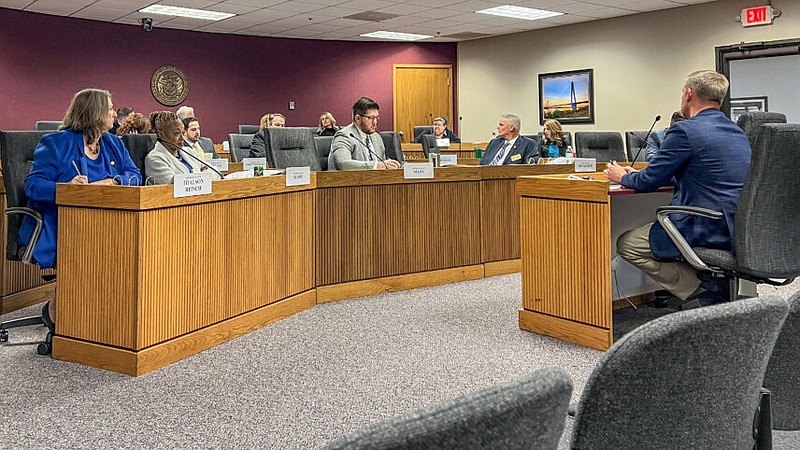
396	36
186	12
520	12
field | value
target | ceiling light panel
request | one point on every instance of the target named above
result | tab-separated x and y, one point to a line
519	12
191	13
396	36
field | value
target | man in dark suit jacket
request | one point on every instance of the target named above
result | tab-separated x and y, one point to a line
509	147
708	156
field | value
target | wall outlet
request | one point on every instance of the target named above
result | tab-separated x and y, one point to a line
291	105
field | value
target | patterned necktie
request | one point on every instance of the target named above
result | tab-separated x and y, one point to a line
368	141
498	160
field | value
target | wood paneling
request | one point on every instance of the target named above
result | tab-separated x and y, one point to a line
579	333
420	93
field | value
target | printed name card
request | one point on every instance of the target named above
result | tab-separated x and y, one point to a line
585	165
220	164
448	160
417	170
191	184
443	142
298	176
249	163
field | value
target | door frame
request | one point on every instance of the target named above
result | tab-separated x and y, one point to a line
451	86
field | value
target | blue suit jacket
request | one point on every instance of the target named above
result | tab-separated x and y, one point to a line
52	164
523	150
709	157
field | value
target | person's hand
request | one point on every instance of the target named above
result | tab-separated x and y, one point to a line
392	164
79	179
614	172
105	182
629	169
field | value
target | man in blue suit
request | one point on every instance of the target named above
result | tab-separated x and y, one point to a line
509	147
708	156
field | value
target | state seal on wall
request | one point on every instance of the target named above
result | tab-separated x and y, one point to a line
169	85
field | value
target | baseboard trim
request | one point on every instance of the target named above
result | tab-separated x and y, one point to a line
567	330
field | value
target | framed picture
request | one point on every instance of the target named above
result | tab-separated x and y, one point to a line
741	105
567	96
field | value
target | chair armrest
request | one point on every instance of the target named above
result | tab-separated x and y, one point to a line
27	257
663	212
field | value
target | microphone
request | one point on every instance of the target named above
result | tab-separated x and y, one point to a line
352	135
180	149
644	141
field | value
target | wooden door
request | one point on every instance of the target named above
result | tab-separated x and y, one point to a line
422	92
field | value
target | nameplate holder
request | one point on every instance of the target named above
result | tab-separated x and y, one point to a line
585	165
249	163
448	160
417	170
220	164
191	184
298	176
443	142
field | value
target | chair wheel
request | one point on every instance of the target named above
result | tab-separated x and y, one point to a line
46	347
3	335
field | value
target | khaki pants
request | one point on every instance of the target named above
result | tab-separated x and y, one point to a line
675	276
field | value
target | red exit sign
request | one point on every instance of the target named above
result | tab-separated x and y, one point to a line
757	15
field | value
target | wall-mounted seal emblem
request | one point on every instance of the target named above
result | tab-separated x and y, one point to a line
169	85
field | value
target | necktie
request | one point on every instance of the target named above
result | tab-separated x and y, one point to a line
498	160
369	147
199	151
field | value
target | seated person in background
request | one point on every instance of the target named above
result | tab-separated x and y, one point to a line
327	125
440	131
509	147
552	144
135	123
657	137
708	156
168	158
184	112
191	136
122	114
81	153
258	147
357	146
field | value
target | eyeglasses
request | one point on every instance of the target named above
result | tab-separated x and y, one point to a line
372	118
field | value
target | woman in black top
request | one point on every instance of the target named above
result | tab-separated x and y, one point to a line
327	125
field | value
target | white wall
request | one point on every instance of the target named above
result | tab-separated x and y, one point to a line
639	64
775	77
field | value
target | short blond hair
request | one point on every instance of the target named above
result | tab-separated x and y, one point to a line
708	85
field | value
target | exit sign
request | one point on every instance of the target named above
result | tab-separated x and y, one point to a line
757	15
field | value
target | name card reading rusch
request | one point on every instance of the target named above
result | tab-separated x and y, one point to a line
249	163
298	176
417	170
191	184
585	165
220	164
448	160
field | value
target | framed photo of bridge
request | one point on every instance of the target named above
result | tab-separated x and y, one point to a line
567	96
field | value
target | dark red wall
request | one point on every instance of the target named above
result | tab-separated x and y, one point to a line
233	79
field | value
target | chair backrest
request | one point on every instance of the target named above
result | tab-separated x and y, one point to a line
239	145
686	380
429	144
783	372
602	145
139	145
322	144
16	153
523	414
249	129
635	144
751	122
291	147
47	125
392	145
419	129
766	232
207	145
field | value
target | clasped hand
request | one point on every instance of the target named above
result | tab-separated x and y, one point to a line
388	164
614	171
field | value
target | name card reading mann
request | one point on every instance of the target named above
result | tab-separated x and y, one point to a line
298	176
191	184
417	170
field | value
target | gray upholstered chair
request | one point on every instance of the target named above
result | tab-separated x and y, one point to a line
691	379
766	232
291	147
239	146
601	145
783	381
47	125
419	129
208	146
139	145
322	144
751	122
635	144
16	152
429	144
524	414
392	145
249	129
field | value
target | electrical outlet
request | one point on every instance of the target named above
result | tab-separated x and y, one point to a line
291	105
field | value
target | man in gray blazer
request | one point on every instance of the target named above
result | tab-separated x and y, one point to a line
357	146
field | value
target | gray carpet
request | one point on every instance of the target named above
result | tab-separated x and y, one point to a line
298	383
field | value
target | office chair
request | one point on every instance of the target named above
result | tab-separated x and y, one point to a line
139	145
16	152
766	233
601	145
523	414
322	144
291	147
751	122
249	129
691	379
635	144
239	146
429	144
392	145
47	125
419	129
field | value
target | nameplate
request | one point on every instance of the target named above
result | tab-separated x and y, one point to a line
448	160
191	184
417	170
443	142
226	146
220	164
585	165
298	176
249	163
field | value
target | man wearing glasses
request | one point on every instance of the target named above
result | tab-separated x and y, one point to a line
357	146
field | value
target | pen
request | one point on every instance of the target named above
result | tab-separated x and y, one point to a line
76	168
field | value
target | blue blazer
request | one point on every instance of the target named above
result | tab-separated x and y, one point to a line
523	150
709	157
52	164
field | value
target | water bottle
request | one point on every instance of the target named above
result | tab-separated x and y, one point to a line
569	153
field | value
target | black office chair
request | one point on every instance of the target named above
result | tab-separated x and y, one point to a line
392	145
766	233
249	129
429	144
16	152
291	147
139	145
419	129
322	144
47	125
239	146
751	122
601	145
635	145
